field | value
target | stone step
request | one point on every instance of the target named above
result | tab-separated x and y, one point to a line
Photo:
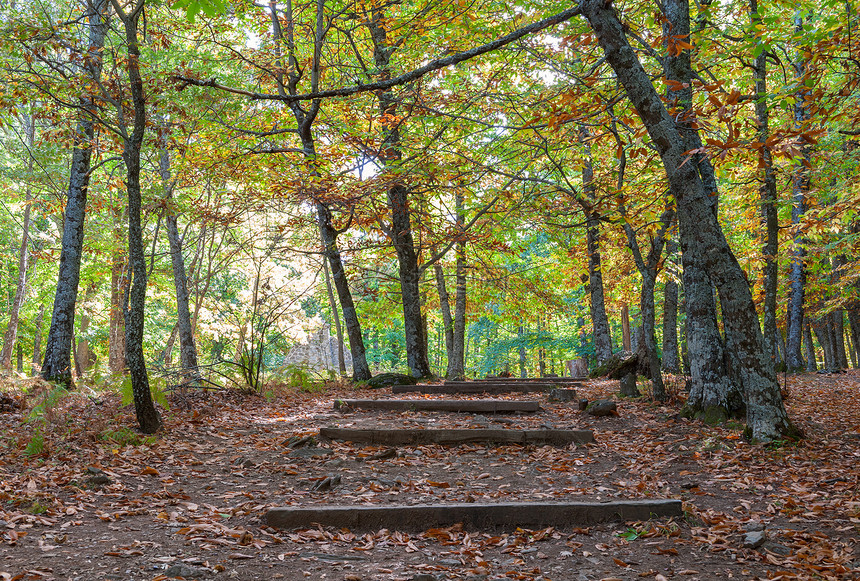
474	387
472	515
535	379
409	436
480	406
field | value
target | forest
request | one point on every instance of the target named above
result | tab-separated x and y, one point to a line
456	189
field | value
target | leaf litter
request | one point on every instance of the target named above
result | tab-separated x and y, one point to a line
97	501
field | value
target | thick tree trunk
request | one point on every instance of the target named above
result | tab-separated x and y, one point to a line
701	235
839	337
148	417
11	334
854	323
671	358
56	365
800	187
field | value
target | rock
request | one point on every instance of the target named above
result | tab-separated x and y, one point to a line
617	365
309	452
336	463
628	387
776	548
97	478
327	483
389	379
185	571
602	407
753	525
424	577
583	403
559	394
754	539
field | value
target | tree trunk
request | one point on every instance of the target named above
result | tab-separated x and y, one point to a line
335	314
148	417
599	321
187	348
118	289
56	365
839	337
671	358
9	338
811	363
701	236
522	351
457	364
400	230
37	341
767	194
445	308
626	341
821	329
800	187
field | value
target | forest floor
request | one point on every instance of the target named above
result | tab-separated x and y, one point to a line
82	496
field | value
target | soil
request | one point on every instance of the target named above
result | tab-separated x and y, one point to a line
83	497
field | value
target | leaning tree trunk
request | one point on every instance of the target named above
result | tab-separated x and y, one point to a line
11	334
148	417
701	234
56	365
335	315
445	310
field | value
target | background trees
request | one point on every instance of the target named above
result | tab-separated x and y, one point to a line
420	149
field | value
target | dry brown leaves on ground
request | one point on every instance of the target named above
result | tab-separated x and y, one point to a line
82	496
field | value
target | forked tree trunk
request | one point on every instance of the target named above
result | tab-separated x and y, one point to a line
335	315
56	365
701	235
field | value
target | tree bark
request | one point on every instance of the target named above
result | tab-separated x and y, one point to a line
767	195
148	417
305	118
626	342
701	234
838	326
118	289
457	364
599	320
800	187
820	327
671	358
445	309
37	341
187	347
56	365
335	314
809	347
400	229
11	334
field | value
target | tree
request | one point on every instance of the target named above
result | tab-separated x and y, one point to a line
701	235
56	365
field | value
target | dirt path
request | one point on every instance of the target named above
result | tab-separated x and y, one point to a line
103	503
